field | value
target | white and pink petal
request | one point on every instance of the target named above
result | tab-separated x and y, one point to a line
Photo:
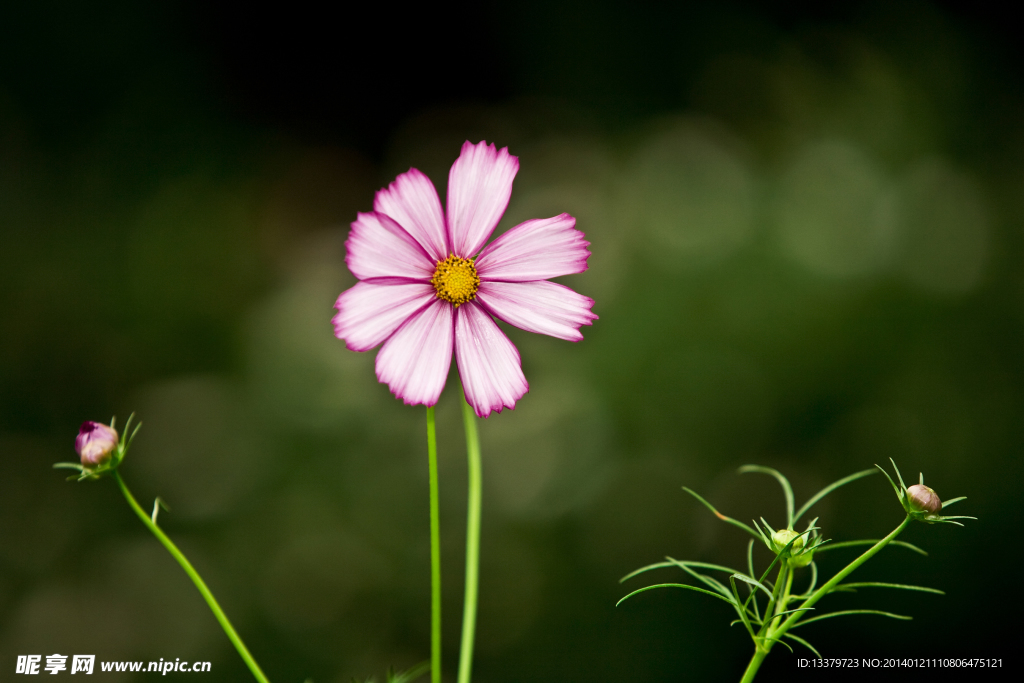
479	187
542	307
537	249
377	247
370	313
489	363
412	202
414	361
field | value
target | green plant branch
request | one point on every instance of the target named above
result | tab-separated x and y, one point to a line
772	635
233	636
827	587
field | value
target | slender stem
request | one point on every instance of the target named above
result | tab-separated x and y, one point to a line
786	593
196	579
472	546
772	609
435	553
755	664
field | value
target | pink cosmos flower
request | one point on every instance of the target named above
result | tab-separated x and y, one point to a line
427	284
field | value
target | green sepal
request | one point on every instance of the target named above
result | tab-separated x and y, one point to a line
900	476
764	538
899	492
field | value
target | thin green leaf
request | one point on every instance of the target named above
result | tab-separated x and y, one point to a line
853	611
953	500
790	611
787	490
814	547
785	645
131	438
876	584
827	490
675	585
845	544
706	580
945	517
898	475
752	582
804	643
806	533
661	565
742	611
750	558
409	675
899	492
767	526
68	466
730	520
763	536
814	581
768	570
157	504
944	521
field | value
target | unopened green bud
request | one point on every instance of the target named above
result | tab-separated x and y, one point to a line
923	499
796	556
784	536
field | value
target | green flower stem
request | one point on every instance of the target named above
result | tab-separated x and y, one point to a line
773	634
774	607
435	553
472	545
755	664
196	579
786	592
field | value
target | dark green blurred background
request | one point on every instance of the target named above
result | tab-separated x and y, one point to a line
807	253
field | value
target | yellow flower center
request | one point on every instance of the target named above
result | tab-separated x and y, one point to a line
455	280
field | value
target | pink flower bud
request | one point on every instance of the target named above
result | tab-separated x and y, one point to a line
95	443
923	499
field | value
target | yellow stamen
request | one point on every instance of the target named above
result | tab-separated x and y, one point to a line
455	280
